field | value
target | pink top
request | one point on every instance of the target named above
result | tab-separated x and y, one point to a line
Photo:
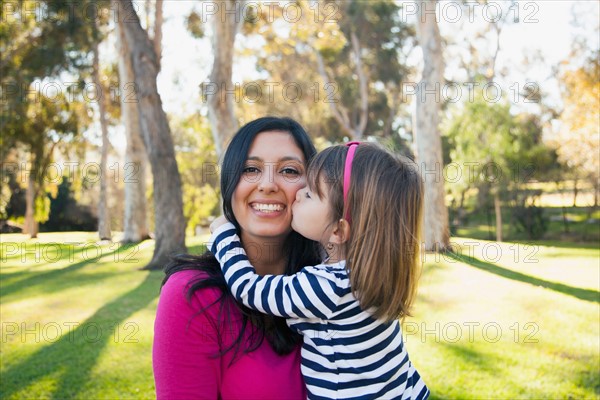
185	343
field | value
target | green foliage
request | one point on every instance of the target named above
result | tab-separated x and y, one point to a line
384	38
382	33
38	48
41	41
289	57
490	146
197	162
42	209
200	203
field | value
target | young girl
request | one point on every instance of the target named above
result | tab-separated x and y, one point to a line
364	206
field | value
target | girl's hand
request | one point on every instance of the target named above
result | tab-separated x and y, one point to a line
221	220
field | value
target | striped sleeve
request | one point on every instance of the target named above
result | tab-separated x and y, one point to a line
310	293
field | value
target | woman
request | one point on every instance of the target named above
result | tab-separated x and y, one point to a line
206	345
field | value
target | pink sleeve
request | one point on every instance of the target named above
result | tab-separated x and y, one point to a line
185	344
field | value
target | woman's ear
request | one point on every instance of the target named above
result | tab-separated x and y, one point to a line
340	233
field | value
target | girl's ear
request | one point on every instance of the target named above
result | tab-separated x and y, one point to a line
341	232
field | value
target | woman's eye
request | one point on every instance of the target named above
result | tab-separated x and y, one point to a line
251	170
290	171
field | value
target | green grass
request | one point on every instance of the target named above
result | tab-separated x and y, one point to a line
77	320
491	321
519	322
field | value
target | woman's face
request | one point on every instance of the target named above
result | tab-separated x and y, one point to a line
273	172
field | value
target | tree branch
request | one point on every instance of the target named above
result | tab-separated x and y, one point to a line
339	113
363	87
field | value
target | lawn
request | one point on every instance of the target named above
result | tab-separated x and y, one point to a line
508	321
491	321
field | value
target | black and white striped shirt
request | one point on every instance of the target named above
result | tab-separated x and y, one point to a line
347	354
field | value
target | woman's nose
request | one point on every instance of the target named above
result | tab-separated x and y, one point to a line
267	181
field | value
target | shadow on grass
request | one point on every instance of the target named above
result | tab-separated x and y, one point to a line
582	294
42	253
464	358
75	354
53	280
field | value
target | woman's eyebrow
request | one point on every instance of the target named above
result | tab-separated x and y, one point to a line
291	158
286	158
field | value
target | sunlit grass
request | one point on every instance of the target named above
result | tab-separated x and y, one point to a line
492	321
78	326
485	333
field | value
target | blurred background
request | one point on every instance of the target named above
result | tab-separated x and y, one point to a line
115	116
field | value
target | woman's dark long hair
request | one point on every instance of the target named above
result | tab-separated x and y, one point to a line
301	251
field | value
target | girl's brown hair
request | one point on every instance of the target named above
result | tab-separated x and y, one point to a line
385	201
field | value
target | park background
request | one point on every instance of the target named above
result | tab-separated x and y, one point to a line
115	114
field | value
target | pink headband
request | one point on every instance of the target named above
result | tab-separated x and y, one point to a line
348	172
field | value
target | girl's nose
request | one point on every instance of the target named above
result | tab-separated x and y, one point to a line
299	193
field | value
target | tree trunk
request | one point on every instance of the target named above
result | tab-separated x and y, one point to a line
168	205
31	225
394	106
429	143
565	220
157	39
575	191
135	223
489	222
103	214
220	104
498	211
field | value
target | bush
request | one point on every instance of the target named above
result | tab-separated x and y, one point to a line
532	220
66	214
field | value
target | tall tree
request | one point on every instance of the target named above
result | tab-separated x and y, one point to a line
220	103
104	231
365	63
135	221
429	143
288	87
169	219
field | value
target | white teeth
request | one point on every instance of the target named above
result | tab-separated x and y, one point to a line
267	207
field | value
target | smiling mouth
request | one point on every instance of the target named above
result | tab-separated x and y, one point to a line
267	208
